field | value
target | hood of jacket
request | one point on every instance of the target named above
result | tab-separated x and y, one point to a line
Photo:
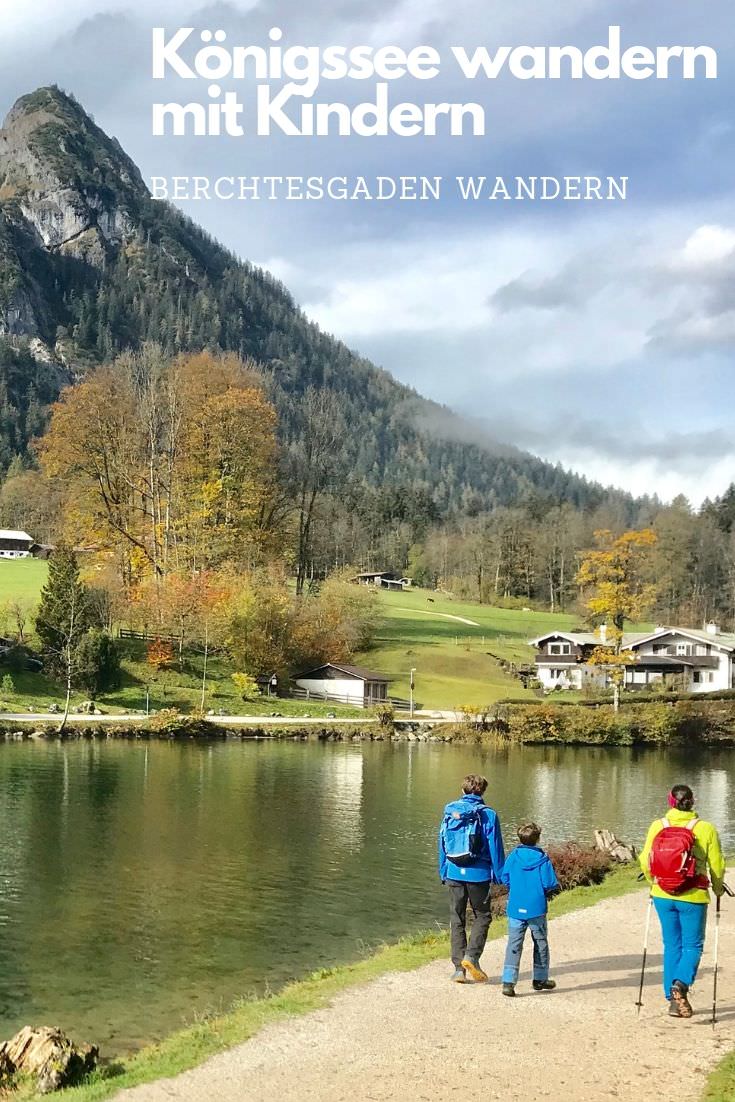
529	857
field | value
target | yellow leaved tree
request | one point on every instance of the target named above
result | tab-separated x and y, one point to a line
615	579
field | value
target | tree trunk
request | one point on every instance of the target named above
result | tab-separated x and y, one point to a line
204	670
67	702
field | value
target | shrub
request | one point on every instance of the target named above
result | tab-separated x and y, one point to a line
247	686
8	685
577	865
168	723
385	715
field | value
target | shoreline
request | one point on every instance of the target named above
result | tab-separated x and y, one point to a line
665	722
189	1048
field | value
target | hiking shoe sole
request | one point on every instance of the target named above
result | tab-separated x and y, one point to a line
478	976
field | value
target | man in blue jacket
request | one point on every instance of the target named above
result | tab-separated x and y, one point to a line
530	876
471	856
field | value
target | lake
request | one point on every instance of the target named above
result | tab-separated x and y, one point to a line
143	885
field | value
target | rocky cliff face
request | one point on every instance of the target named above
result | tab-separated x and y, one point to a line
66	190
72	183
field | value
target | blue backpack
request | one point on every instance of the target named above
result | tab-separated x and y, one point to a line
463	835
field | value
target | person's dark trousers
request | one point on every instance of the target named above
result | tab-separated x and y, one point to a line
478	897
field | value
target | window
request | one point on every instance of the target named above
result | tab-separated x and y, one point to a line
697	677
560	648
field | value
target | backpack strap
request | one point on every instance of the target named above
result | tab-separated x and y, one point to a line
692	823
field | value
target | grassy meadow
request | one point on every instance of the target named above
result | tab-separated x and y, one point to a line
21	580
455	662
454	646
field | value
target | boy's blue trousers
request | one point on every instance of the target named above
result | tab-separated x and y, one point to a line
516	934
682	928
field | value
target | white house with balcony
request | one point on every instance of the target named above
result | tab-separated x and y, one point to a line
703	661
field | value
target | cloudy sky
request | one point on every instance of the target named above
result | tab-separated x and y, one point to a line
598	335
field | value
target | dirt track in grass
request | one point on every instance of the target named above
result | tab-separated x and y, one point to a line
416	1036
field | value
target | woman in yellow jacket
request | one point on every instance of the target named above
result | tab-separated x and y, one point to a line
683	916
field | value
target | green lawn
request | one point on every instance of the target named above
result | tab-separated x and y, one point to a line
179	688
22	580
456	663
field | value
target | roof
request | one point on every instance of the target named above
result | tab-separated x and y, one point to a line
357	672
723	639
633	639
581	638
12	534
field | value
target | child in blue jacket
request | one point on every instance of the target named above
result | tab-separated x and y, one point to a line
530	876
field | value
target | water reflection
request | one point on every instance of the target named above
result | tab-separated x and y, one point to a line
142	885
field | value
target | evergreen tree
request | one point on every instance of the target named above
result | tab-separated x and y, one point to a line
97	662
63	619
63	613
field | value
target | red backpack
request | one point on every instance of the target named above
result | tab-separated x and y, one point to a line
671	861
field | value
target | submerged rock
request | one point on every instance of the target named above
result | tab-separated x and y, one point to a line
46	1055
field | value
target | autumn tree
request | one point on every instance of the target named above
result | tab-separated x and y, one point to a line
313	461
615	582
159	654
225	473
169	466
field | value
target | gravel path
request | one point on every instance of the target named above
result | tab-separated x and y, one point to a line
416	1036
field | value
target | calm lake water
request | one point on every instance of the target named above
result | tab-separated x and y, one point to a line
141	886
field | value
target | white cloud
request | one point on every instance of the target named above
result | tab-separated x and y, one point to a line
640	477
707	247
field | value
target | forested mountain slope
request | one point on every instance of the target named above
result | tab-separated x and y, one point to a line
90	265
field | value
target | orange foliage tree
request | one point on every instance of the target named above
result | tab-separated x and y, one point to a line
169	465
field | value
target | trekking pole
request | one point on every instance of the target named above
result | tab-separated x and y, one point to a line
717	944
639	1004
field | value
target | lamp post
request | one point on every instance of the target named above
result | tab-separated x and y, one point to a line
410	702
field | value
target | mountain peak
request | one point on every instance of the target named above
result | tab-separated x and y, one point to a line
47	101
47	133
74	185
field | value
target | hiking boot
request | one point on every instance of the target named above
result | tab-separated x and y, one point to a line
544	985
679	993
509	989
459	976
477	974
674	1008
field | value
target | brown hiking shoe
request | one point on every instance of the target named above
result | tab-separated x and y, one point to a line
679	993
474	970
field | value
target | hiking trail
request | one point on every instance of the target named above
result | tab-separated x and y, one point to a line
416	1036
